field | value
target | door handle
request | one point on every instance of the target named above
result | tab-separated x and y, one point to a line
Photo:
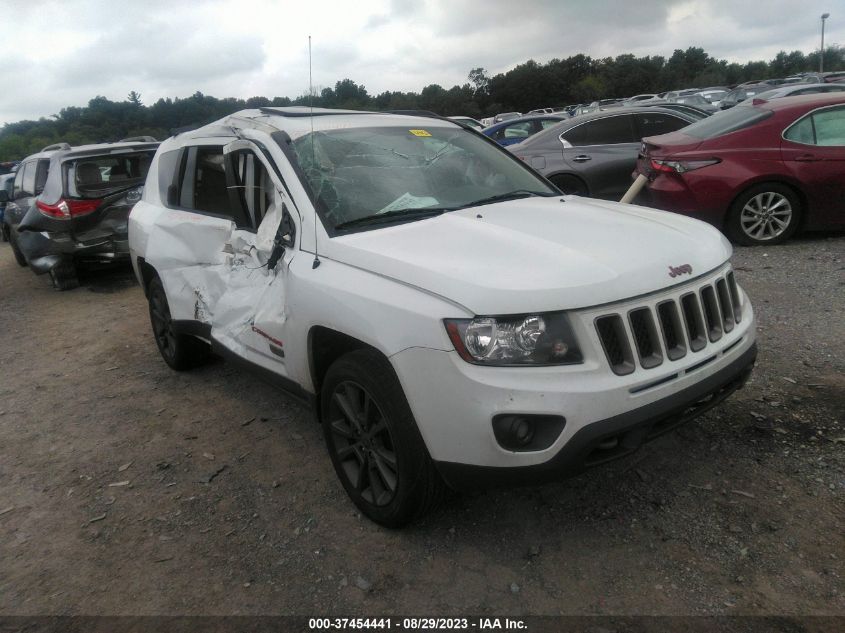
807	158
582	158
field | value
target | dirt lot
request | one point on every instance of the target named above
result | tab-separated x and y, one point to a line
126	488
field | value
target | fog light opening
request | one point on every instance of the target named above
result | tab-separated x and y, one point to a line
527	432
522	431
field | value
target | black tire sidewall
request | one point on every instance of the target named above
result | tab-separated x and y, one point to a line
734	225
373	373
188	351
174	360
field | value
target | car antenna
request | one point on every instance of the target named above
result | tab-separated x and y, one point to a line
316	261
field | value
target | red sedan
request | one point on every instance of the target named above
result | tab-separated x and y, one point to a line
759	172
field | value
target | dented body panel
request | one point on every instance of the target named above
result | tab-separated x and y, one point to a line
79	213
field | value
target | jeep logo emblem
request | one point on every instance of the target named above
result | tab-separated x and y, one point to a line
683	269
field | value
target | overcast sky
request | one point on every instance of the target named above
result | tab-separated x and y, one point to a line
64	53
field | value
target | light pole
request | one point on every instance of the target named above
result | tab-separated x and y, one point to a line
825	16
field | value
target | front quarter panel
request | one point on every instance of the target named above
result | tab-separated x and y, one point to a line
385	314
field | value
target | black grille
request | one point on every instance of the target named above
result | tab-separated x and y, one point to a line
725	305
615	342
670	324
694	322
645	337
734	296
711	313
672	330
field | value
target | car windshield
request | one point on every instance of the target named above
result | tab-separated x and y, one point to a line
94	176
726	122
357	173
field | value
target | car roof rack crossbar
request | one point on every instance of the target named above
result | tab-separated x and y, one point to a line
139	139
50	148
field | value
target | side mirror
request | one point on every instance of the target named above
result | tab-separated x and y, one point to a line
4	195
285	237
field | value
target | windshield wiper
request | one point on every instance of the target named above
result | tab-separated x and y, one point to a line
510	195
392	216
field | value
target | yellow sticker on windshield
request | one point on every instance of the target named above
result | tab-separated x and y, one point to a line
419	133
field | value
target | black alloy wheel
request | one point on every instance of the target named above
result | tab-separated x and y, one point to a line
374	443
362	443
162	325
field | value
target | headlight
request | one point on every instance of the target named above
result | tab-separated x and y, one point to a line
535	339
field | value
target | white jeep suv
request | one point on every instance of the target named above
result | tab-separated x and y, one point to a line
452	318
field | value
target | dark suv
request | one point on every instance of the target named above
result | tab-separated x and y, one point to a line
71	204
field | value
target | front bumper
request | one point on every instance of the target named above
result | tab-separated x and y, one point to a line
614	437
459	407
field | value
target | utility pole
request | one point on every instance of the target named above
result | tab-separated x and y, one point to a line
825	16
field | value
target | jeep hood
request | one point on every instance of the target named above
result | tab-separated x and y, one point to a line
537	254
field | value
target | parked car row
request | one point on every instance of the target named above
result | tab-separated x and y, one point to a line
69	205
594	154
759	172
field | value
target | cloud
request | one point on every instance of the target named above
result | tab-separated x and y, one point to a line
242	48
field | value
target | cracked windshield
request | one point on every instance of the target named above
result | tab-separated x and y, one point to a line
377	175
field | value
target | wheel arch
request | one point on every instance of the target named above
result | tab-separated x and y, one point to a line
148	273
325	346
570	174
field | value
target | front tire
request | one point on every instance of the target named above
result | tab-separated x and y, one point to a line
179	351
374	443
764	214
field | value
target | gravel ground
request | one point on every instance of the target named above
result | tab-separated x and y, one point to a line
126	488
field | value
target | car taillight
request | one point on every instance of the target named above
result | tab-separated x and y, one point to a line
681	166
66	209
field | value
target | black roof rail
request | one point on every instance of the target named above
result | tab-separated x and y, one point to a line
306	112
427	113
54	146
139	139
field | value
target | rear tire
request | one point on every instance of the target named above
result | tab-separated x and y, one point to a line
179	351
63	276
570	185
19	258
764	214
374	443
